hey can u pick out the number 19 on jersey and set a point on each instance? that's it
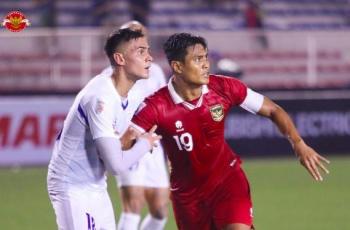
(184, 141)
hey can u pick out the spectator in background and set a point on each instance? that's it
(48, 12)
(254, 20)
(139, 10)
(48, 45)
(227, 67)
(100, 11)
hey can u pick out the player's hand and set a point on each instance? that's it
(311, 160)
(128, 139)
(151, 136)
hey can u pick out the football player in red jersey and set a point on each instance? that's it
(209, 190)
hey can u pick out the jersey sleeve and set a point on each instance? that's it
(100, 117)
(253, 101)
(145, 116)
(235, 90)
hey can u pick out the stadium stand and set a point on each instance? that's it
(305, 55)
(183, 14)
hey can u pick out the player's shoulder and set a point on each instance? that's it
(221, 81)
(97, 81)
(159, 95)
(228, 87)
(93, 91)
(159, 99)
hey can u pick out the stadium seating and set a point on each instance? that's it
(183, 14)
(276, 66)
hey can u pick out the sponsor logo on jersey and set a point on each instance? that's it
(100, 106)
(179, 126)
(233, 163)
(217, 112)
(15, 21)
(114, 126)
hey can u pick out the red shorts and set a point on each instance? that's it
(230, 203)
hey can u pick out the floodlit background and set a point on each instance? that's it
(297, 52)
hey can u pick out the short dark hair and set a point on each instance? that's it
(118, 37)
(175, 47)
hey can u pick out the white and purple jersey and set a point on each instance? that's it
(97, 111)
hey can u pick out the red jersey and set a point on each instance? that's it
(193, 134)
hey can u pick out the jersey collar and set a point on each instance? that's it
(177, 99)
(108, 72)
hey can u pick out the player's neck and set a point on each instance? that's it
(121, 83)
(186, 91)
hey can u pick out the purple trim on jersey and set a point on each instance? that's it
(81, 112)
(124, 106)
(59, 135)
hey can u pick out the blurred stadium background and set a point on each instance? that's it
(295, 51)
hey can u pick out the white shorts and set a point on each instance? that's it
(150, 171)
(79, 209)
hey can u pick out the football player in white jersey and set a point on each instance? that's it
(146, 181)
(89, 145)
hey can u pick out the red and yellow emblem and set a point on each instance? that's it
(217, 112)
(15, 21)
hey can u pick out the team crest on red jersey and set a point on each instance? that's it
(217, 112)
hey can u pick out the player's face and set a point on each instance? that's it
(196, 65)
(137, 58)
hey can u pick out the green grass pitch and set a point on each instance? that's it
(285, 197)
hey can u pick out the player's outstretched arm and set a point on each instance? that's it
(308, 157)
(151, 136)
(129, 137)
(116, 160)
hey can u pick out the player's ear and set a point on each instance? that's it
(177, 66)
(119, 58)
